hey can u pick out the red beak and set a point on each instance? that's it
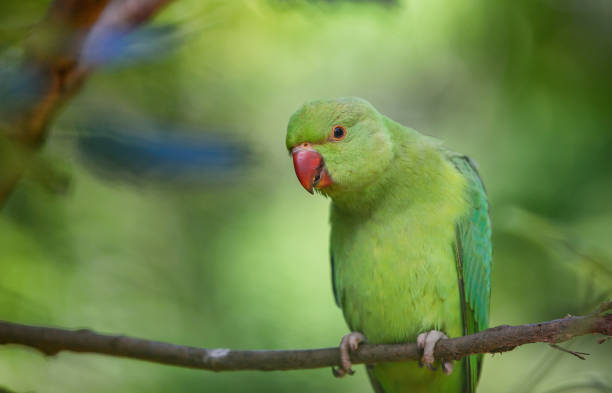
(310, 169)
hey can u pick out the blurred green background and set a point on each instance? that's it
(236, 256)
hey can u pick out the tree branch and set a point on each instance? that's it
(50, 341)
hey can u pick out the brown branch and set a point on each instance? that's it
(499, 339)
(53, 57)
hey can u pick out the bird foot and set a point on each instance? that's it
(348, 344)
(426, 342)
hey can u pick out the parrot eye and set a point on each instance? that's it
(339, 133)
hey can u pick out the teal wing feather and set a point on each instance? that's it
(474, 258)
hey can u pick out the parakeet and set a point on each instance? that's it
(410, 238)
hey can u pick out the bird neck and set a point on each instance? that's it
(412, 174)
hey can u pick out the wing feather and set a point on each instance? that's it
(474, 258)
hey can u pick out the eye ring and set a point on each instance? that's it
(338, 132)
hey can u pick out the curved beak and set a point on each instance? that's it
(310, 168)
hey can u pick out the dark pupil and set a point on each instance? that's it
(338, 132)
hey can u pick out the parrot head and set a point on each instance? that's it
(338, 146)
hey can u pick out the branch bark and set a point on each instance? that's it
(51, 341)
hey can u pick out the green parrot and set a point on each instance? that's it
(410, 238)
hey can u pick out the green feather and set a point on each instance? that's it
(401, 207)
(474, 256)
(475, 236)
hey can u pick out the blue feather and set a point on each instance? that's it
(118, 47)
(163, 152)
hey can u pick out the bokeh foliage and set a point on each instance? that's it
(241, 260)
